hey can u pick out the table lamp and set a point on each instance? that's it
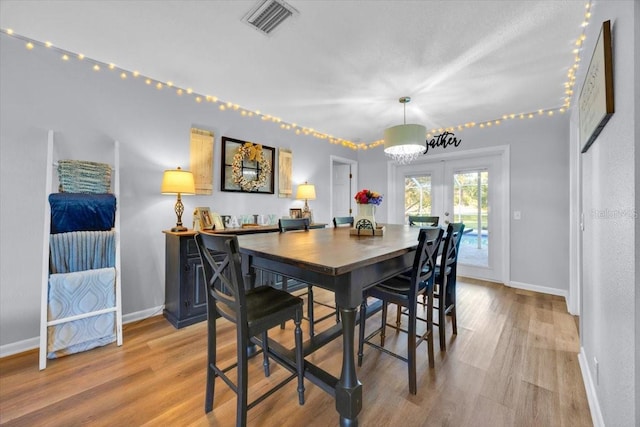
(307, 192)
(178, 181)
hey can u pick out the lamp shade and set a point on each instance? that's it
(178, 181)
(404, 139)
(306, 191)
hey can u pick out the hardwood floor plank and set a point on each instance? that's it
(513, 363)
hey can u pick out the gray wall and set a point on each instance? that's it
(609, 321)
(539, 172)
(88, 110)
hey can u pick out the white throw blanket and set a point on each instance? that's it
(82, 280)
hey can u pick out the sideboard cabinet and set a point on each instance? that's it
(185, 298)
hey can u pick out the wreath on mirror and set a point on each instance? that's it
(250, 152)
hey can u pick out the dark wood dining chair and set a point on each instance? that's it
(444, 290)
(445, 282)
(253, 312)
(302, 224)
(343, 221)
(403, 290)
(423, 221)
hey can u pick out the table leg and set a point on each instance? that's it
(348, 389)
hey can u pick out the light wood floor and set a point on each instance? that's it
(513, 363)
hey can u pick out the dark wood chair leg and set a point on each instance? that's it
(265, 353)
(454, 320)
(299, 358)
(243, 382)
(383, 325)
(310, 310)
(411, 350)
(430, 329)
(398, 315)
(285, 286)
(363, 319)
(211, 361)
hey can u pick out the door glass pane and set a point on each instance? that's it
(470, 206)
(417, 196)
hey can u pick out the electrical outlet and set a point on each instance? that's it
(597, 369)
(517, 215)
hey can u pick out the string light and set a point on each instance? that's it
(301, 130)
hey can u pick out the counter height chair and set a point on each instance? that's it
(302, 224)
(253, 312)
(423, 221)
(445, 283)
(343, 221)
(444, 290)
(403, 290)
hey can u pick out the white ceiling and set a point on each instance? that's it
(338, 66)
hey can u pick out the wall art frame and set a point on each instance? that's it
(596, 103)
(285, 168)
(247, 167)
(201, 159)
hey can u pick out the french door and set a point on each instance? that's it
(468, 190)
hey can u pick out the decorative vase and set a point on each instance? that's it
(366, 212)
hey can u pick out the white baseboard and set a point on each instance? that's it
(589, 385)
(541, 289)
(19, 347)
(143, 314)
(33, 343)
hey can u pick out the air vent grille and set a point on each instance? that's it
(267, 15)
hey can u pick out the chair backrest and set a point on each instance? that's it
(424, 263)
(292, 224)
(221, 263)
(417, 221)
(451, 244)
(458, 228)
(342, 221)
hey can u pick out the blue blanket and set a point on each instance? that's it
(82, 212)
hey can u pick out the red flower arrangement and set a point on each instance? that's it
(365, 197)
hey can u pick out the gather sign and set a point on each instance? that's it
(443, 140)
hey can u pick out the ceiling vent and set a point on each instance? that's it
(267, 15)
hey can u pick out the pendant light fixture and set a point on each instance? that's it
(404, 143)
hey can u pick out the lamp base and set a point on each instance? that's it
(178, 228)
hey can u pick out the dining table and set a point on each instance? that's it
(345, 264)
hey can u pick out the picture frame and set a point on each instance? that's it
(285, 167)
(596, 102)
(202, 219)
(308, 215)
(241, 172)
(295, 213)
(218, 223)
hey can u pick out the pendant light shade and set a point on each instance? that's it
(404, 143)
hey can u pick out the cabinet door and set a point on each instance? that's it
(195, 298)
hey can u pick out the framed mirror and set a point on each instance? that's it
(247, 167)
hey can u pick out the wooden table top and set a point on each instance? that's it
(331, 251)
